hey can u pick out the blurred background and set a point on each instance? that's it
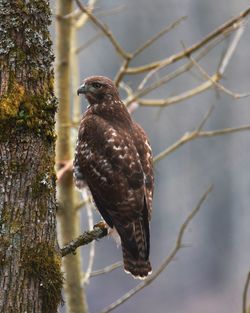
(208, 275)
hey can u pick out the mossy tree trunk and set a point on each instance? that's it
(67, 213)
(30, 276)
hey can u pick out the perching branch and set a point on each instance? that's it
(244, 300)
(166, 262)
(84, 239)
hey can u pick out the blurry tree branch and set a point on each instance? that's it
(198, 133)
(106, 269)
(141, 91)
(89, 210)
(245, 308)
(140, 49)
(84, 239)
(218, 85)
(166, 262)
(88, 43)
(67, 166)
(105, 30)
(225, 28)
(212, 80)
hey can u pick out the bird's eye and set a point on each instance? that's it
(96, 85)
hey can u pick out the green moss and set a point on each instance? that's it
(43, 264)
(9, 104)
(32, 112)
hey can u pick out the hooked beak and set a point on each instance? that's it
(82, 89)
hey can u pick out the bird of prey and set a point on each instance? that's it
(113, 157)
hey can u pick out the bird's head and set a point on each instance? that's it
(98, 89)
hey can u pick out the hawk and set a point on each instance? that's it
(113, 157)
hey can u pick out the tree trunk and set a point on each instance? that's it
(67, 213)
(30, 276)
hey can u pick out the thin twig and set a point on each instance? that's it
(106, 269)
(84, 239)
(134, 105)
(232, 47)
(161, 33)
(229, 26)
(106, 31)
(114, 10)
(88, 42)
(165, 263)
(205, 119)
(234, 95)
(89, 209)
(245, 291)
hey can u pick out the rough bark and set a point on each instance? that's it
(30, 276)
(67, 214)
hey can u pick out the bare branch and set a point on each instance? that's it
(141, 91)
(205, 118)
(245, 291)
(229, 26)
(166, 262)
(149, 42)
(106, 31)
(194, 135)
(212, 80)
(83, 18)
(232, 47)
(114, 10)
(220, 86)
(121, 72)
(183, 96)
(84, 239)
(106, 269)
(164, 31)
(82, 203)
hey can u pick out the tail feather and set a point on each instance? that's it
(137, 268)
(135, 248)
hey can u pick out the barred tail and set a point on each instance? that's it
(135, 248)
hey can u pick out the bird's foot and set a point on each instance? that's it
(101, 225)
